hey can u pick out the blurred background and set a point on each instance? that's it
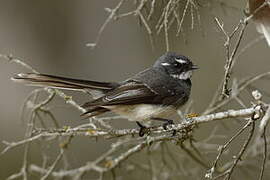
(51, 36)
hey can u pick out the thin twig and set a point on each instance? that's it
(52, 167)
(113, 13)
(193, 156)
(264, 154)
(222, 149)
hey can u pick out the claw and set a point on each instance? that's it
(167, 123)
(143, 129)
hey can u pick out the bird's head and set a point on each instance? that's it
(175, 65)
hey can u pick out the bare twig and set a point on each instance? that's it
(194, 157)
(58, 158)
(264, 153)
(113, 13)
(124, 132)
(222, 148)
(243, 149)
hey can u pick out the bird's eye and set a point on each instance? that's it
(177, 64)
(179, 60)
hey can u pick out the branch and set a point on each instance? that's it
(89, 132)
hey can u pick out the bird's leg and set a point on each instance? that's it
(143, 129)
(166, 121)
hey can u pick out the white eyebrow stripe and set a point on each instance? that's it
(181, 61)
(165, 64)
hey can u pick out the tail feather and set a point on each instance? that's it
(94, 112)
(62, 82)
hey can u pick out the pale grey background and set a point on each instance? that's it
(51, 36)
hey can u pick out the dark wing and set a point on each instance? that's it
(128, 94)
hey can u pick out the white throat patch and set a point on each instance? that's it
(183, 75)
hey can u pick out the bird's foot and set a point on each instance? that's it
(167, 122)
(143, 129)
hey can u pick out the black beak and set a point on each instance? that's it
(194, 67)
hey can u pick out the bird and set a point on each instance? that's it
(260, 11)
(153, 94)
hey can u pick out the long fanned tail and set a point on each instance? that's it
(94, 112)
(44, 80)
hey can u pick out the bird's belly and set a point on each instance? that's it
(142, 112)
